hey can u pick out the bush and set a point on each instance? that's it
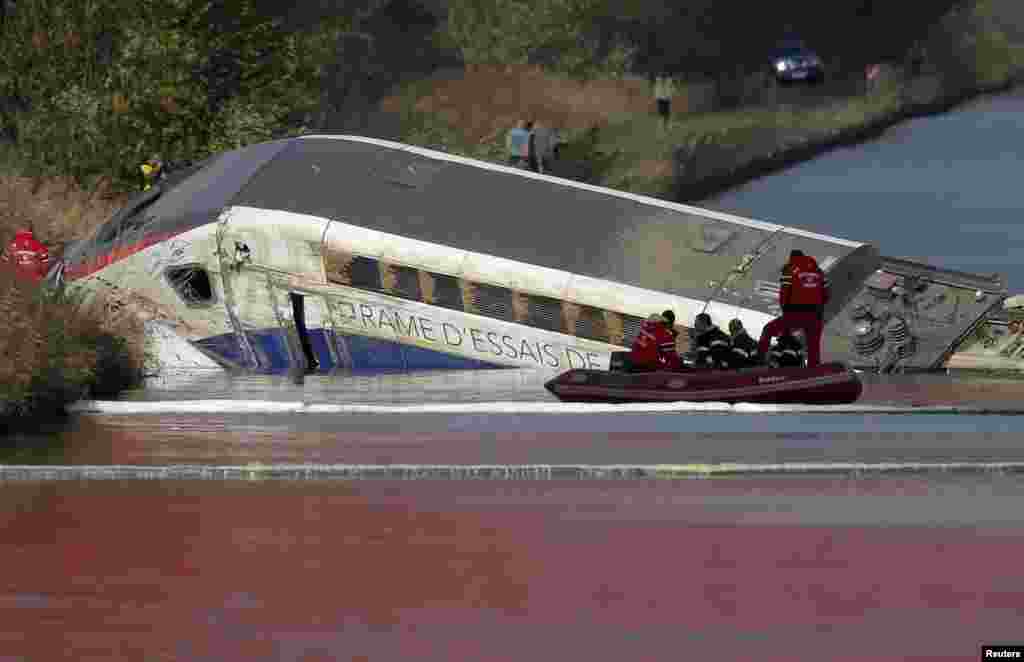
(563, 35)
(105, 83)
(55, 349)
(970, 49)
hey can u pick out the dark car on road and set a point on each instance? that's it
(792, 61)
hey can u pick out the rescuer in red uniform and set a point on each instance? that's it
(28, 256)
(803, 293)
(654, 347)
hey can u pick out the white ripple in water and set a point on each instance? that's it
(117, 407)
(256, 471)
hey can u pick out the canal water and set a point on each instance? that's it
(755, 569)
(228, 524)
(943, 190)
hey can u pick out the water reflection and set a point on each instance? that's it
(448, 571)
(552, 439)
(36, 442)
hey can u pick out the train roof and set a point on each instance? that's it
(487, 208)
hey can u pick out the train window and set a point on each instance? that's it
(402, 282)
(192, 284)
(444, 291)
(364, 273)
(493, 301)
(590, 324)
(545, 313)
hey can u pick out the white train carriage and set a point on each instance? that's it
(342, 252)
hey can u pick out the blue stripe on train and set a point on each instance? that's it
(362, 353)
(271, 346)
(319, 339)
(224, 347)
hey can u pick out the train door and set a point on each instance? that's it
(266, 255)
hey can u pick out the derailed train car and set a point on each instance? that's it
(343, 252)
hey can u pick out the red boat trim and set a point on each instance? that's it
(682, 394)
(118, 253)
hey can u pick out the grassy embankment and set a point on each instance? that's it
(54, 350)
(614, 138)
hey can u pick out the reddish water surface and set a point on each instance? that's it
(435, 570)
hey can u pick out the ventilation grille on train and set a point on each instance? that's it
(630, 328)
(493, 301)
(545, 313)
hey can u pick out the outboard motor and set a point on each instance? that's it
(619, 362)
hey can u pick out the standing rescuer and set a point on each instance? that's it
(803, 293)
(29, 257)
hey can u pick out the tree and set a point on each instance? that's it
(108, 82)
(563, 34)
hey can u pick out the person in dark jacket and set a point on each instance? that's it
(788, 352)
(670, 322)
(744, 348)
(532, 158)
(713, 347)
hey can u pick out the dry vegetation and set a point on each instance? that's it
(56, 209)
(54, 350)
(609, 123)
(485, 101)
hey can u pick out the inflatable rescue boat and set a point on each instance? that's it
(827, 384)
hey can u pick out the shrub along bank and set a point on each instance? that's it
(53, 349)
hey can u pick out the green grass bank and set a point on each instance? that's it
(723, 132)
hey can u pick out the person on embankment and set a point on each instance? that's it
(27, 255)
